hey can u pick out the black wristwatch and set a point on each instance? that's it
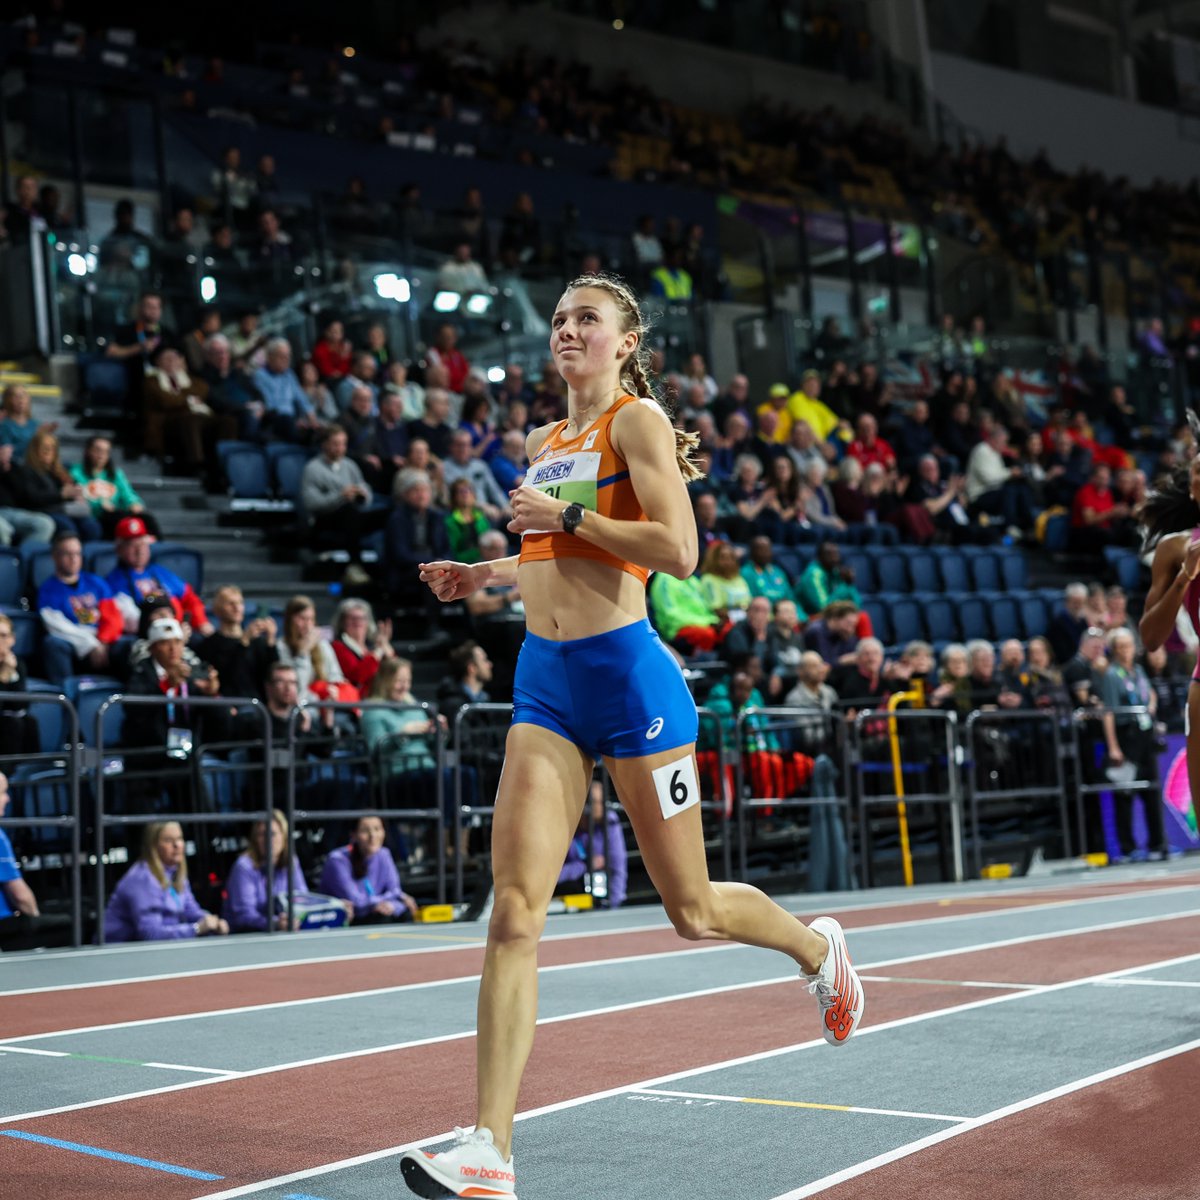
(572, 515)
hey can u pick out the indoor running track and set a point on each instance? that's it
(1027, 1038)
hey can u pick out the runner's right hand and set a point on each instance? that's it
(449, 580)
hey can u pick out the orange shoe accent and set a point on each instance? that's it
(478, 1191)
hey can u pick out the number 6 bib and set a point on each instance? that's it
(676, 785)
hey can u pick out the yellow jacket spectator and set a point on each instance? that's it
(807, 405)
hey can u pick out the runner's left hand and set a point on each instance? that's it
(534, 510)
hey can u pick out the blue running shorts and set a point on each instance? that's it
(619, 694)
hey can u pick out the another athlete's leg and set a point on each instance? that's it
(539, 800)
(1193, 743)
(673, 852)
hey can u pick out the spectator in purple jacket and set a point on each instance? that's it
(603, 852)
(154, 901)
(246, 887)
(364, 873)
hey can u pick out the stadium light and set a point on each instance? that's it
(77, 264)
(495, 374)
(390, 286)
(208, 289)
(478, 304)
(446, 302)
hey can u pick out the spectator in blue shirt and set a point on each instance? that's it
(22, 924)
(289, 413)
(510, 465)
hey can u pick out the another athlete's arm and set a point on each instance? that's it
(1176, 564)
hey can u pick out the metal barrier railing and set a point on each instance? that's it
(1087, 784)
(1016, 782)
(67, 758)
(378, 760)
(869, 756)
(479, 751)
(722, 802)
(768, 743)
(93, 762)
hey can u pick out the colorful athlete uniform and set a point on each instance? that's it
(1191, 604)
(619, 693)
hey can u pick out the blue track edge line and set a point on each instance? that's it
(96, 1152)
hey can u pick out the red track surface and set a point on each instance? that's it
(250, 1129)
(1125, 1137)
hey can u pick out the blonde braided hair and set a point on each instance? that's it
(635, 372)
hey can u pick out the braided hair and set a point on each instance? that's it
(635, 371)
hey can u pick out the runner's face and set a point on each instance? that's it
(586, 339)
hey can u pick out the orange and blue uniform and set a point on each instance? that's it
(619, 693)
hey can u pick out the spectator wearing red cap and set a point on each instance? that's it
(81, 618)
(135, 577)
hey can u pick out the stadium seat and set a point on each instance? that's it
(246, 471)
(1005, 616)
(185, 562)
(985, 572)
(101, 561)
(89, 694)
(227, 446)
(891, 570)
(788, 561)
(42, 790)
(953, 568)
(907, 622)
(27, 628)
(1126, 566)
(1014, 570)
(1034, 616)
(51, 718)
(923, 573)
(863, 567)
(940, 615)
(12, 576)
(1057, 532)
(39, 566)
(286, 470)
(972, 617)
(106, 389)
(881, 621)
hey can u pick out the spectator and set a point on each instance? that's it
(1082, 673)
(1129, 738)
(232, 189)
(135, 578)
(21, 213)
(727, 593)
(364, 873)
(988, 690)
(762, 575)
(231, 393)
(125, 246)
(710, 527)
(15, 521)
(23, 926)
(273, 248)
(362, 375)
(735, 398)
(18, 427)
(1044, 682)
(1012, 673)
(496, 600)
(466, 522)
(647, 249)
(670, 280)
(159, 608)
(288, 412)
(360, 644)
(239, 653)
(786, 499)
(334, 497)
(18, 728)
(412, 395)
(834, 635)
(868, 447)
(862, 683)
(333, 354)
(415, 534)
(246, 887)
(825, 580)
(249, 343)
(1069, 623)
(811, 690)
(461, 464)
(806, 405)
(388, 445)
(599, 847)
(995, 488)
(398, 735)
(461, 273)
(80, 616)
(208, 325)
(445, 353)
(510, 464)
(43, 484)
(850, 498)
(470, 673)
(943, 503)
(153, 901)
(683, 615)
(820, 506)
(107, 489)
(378, 348)
(954, 682)
(318, 673)
(476, 414)
(914, 437)
(1098, 519)
(1166, 688)
(137, 342)
(434, 427)
(803, 448)
(358, 420)
(750, 636)
(179, 419)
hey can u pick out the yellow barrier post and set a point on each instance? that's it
(916, 696)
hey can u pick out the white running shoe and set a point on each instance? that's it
(836, 985)
(471, 1167)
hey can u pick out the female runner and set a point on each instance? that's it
(1171, 517)
(604, 503)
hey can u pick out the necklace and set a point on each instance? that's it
(584, 418)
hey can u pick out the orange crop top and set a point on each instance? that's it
(583, 470)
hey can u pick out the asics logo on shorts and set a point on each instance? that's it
(655, 729)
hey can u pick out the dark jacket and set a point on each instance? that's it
(401, 550)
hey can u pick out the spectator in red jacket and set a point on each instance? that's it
(332, 354)
(135, 577)
(1098, 518)
(359, 643)
(445, 353)
(868, 447)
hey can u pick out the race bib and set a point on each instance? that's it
(571, 478)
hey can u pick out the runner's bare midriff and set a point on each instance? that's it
(568, 598)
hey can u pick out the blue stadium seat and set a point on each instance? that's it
(1126, 566)
(941, 616)
(1057, 532)
(864, 571)
(881, 622)
(1005, 616)
(286, 470)
(41, 790)
(907, 622)
(892, 572)
(278, 450)
(227, 446)
(106, 387)
(101, 561)
(27, 628)
(1014, 569)
(985, 572)
(51, 718)
(1035, 618)
(953, 568)
(12, 576)
(246, 471)
(972, 616)
(923, 573)
(789, 561)
(185, 562)
(89, 694)
(39, 566)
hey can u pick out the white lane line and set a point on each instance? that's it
(849, 1108)
(1178, 983)
(655, 927)
(972, 983)
(609, 1093)
(710, 948)
(119, 1061)
(40, 1053)
(943, 1135)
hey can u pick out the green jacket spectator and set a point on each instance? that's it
(826, 580)
(679, 604)
(727, 700)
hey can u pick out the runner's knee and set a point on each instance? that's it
(696, 920)
(515, 919)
